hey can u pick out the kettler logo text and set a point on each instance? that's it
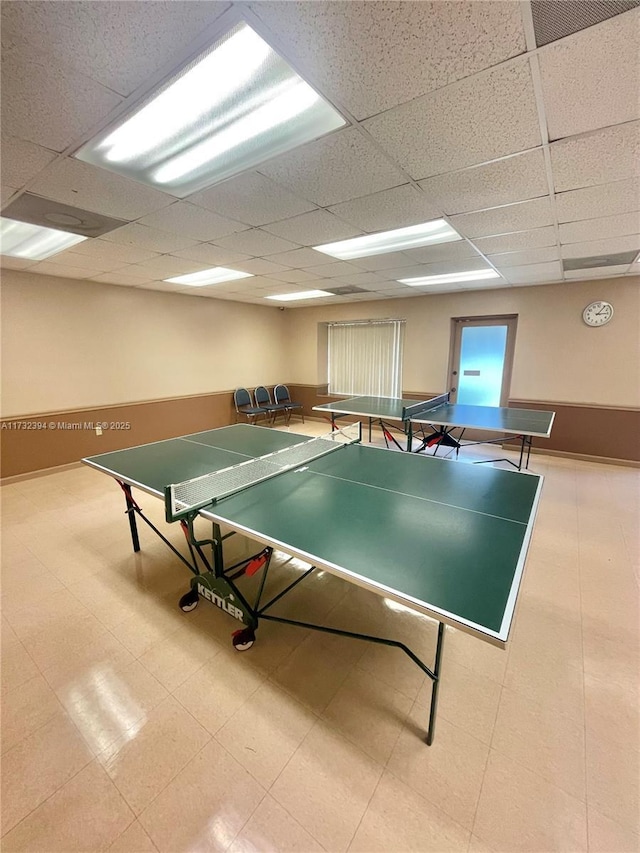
(222, 603)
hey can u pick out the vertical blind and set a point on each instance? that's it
(365, 358)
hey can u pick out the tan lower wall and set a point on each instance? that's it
(41, 441)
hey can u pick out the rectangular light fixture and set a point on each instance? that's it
(303, 294)
(22, 240)
(425, 234)
(215, 275)
(233, 107)
(450, 278)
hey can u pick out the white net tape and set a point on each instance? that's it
(197, 493)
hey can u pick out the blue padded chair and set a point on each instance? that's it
(244, 406)
(263, 399)
(282, 397)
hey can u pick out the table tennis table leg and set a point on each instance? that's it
(131, 512)
(436, 684)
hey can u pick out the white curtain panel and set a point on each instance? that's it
(365, 358)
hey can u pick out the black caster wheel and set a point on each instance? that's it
(243, 639)
(189, 601)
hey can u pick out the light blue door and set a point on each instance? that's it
(481, 365)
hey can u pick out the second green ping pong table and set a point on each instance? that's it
(447, 423)
(448, 541)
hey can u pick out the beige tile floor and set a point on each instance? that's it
(128, 725)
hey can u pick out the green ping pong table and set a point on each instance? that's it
(448, 423)
(446, 540)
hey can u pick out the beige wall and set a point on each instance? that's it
(75, 344)
(557, 356)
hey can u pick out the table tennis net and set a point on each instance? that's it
(424, 406)
(184, 498)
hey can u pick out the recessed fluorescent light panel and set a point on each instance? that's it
(304, 294)
(412, 237)
(450, 278)
(235, 106)
(22, 240)
(215, 275)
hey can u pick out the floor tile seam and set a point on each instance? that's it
(390, 686)
(547, 779)
(60, 710)
(92, 760)
(634, 830)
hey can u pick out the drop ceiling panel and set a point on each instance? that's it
(192, 221)
(21, 160)
(594, 202)
(207, 253)
(342, 166)
(367, 280)
(389, 209)
(295, 276)
(610, 246)
(506, 181)
(136, 38)
(503, 220)
(313, 228)
(253, 199)
(121, 278)
(6, 192)
(538, 238)
(48, 103)
(335, 270)
(385, 262)
(101, 250)
(595, 229)
(82, 185)
(256, 242)
(299, 258)
(592, 78)
(93, 265)
(534, 272)
(60, 270)
(9, 263)
(135, 234)
(597, 158)
(260, 266)
(165, 266)
(472, 121)
(438, 268)
(527, 256)
(372, 56)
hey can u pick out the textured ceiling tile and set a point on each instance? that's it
(256, 242)
(21, 160)
(600, 229)
(299, 258)
(592, 78)
(207, 253)
(166, 266)
(385, 262)
(69, 258)
(315, 227)
(594, 202)
(119, 277)
(335, 270)
(506, 181)
(253, 199)
(148, 238)
(439, 268)
(610, 246)
(9, 263)
(534, 272)
(192, 221)
(101, 250)
(82, 185)
(363, 279)
(6, 192)
(527, 256)
(372, 56)
(294, 276)
(260, 266)
(383, 211)
(597, 158)
(536, 239)
(443, 252)
(49, 104)
(472, 121)
(503, 220)
(118, 43)
(342, 166)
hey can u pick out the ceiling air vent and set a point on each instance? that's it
(53, 214)
(347, 290)
(599, 261)
(555, 19)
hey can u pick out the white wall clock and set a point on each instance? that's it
(598, 313)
